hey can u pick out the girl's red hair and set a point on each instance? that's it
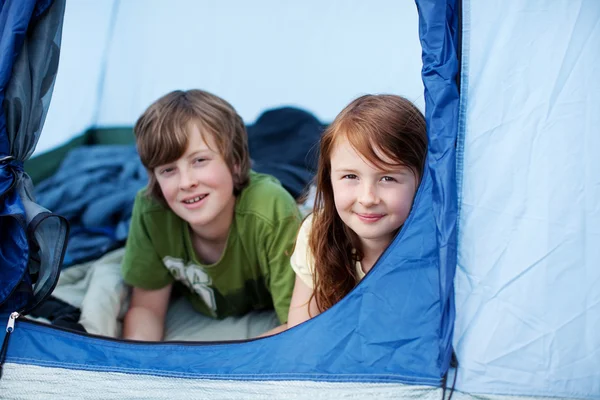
(386, 124)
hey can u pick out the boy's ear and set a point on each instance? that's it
(236, 170)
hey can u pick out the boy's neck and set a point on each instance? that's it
(209, 241)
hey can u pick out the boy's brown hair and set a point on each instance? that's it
(161, 134)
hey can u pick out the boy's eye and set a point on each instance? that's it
(388, 179)
(349, 176)
(166, 171)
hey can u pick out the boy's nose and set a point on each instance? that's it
(187, 181)
(368, 196)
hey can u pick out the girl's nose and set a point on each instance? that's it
(368, 196)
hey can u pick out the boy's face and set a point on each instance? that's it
(198, 187)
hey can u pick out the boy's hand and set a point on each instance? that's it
(145, 319)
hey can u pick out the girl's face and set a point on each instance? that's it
(373, 203)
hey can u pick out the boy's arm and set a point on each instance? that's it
(143, 269)
(145, 319)
(280, 245)
(274, 331)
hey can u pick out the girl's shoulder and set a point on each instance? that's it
(306, 227)
(302, 261)
(302, 249)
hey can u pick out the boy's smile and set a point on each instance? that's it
(198, 187)
(193, 202)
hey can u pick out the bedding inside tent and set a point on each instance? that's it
(504, 222)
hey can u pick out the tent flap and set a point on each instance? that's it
(438, 29)
(528, 273)
(30, 248)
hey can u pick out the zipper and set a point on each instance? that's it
(10, 327)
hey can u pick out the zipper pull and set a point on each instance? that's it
(10, 327)
(11, 322)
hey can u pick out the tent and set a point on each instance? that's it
(496, 263)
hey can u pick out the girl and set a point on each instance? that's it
(371, 161)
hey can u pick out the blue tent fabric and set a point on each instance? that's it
(395, 326)
(528, 265)
(14, 20)
(33, 238)
(438, 29)
(13, 246)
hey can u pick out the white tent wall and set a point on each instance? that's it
(528, 276)
(118, 56)
(73, 108)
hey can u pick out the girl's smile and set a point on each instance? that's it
(369, 218)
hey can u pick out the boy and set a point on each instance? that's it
(206, 222)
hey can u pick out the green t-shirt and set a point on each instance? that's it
(254, 271)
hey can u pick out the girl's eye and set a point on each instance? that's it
(199, 160)
(388, 179)
(349, 176)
